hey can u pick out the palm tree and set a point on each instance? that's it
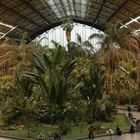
(114, 48)
(68, 26)
(81, 48)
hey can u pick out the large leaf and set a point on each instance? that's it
(80, 84)
(39, 63)
(79, 39)
(43, 85)
(47, 61)
(58, 56)
(69, 66)
(96, 35)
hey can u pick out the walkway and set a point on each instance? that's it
(135, 114)
(127, 136)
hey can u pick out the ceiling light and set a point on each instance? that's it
(6, 25)
(131, 21)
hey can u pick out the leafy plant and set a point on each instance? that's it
(93, 89)
(52, 76)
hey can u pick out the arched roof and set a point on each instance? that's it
(38, 16)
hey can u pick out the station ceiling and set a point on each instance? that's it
(38, 16)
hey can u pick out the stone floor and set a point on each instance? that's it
(135, 136)
(127, 136)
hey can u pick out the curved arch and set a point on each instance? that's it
(59, 23)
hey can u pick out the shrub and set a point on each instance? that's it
(65, 127)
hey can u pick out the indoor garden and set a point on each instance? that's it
(65, 80)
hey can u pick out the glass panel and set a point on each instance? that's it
(83, 14)
(84, 2)
(54, 7)
(77, 1)
(68, 13)
(58, 34)
(51, 2)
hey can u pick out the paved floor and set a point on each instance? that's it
(135, 136)
(135, 114)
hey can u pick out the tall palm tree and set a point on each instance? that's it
(114, 48)
(68, 26)
(81, 48)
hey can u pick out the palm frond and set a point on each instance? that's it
(79, 39)
(96, 35)
(58, 56)
(39, 63)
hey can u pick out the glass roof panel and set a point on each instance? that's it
(54, 8)
(84, 2)
(51, 2)
(55, 11)
(77, 1)
(65, 3)
(58, 34)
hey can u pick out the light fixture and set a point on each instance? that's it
(6, 25)
(136, 31)
(131, 21)
(4, 34)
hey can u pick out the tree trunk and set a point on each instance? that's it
(109, 82)
(68, 35)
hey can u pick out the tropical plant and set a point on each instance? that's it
(105, 109)
(18, 102)
(81, 48)
(19, 56)
(52, 76)
(115, 49)
(93, 89)
(68, 26)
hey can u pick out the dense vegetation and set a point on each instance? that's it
(66, 88)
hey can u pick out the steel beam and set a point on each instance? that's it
(18, 14)
(28, 4)
(98, 14)
(118, 9)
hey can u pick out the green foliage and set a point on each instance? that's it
(93, 86)
(105, 109)
(93, 89)
(81, 48)
(52, 77)
(65, 127)
(48, 88)
(10, 112)
(68, 24)
(19, 105)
